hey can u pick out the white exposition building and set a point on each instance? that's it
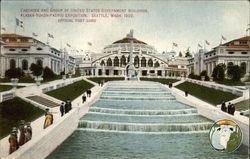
(21, 51)
(235, 52)
(115, 58)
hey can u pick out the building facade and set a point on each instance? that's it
(235, 52)
(114, 61)
(21, 51)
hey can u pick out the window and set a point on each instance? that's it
(12, 49)
(12, 64)
(230, 64)
(25, 65)
(157, 64)
(150, 63)
(143, 62)
(214, 53)
(116, 62)
(123, 60)
(243, 53)
(39, 48)
(109, 62)
(136, 61)
(243, 42)
(102, 63)
(230, 52)
(243, 66)
(39, 62)
(24, 40)
(24, 50)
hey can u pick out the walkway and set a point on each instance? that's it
(37, 125)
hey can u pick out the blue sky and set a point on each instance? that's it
(186, 23)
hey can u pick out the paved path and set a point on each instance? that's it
(37, 125)
(208, 106)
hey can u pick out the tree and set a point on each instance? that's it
(78, 72)
(188, 54)
(36, 69)
(180, 54)
(219, 72)
(204, 73)
(14, 73)
(234, 72)
(48, 74)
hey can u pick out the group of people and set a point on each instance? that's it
(101, 83)
(65, 107)
(48, 119)
(24, 132)
(230, 109)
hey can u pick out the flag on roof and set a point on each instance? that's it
(174, 44)
(19, 23)
(34, 34)
(50, 35)
(199, 45)
(223, 38)
(89, 43)
(207, 42)
(4, 29)
(68, 45)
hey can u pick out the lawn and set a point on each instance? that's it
(209, 95)
(161, 80)
(71, 91)
(7, 87)
(243, 105)
(231, 83)
(21, 80)
(97, 79)
(14, 110)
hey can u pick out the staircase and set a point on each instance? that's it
(43, 101)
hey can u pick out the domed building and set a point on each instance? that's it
(115, 60)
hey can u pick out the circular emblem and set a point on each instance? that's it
(225, 136)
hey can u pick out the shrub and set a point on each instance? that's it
(204, 73)
(36, 69)
(48, 74)
(219, 72)
(14, 73)
(234, 72)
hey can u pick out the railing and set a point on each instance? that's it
(220, 87)
(6, 95)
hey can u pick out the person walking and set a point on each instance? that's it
(48, 120)
(69, 105)
(186, 93)
(27, 132)
(84, 98)
(89, 93)
(13, 141)
(223, 107)
(229, 108)
(62, 109)
(22, 135)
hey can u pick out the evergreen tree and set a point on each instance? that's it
(219, 72)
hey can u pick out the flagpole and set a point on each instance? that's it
(221, 40)
(15, 24)
(47, 39)
(204, 46)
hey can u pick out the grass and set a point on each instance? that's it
(231, 83)
(14, 110)
(71, 91)
(209, 95)
(97, 79)
(161, 80)
(243, 105)
(7, 87)
(21, 80)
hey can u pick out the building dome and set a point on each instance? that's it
(127, 40)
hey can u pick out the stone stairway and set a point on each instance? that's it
(43, 101)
